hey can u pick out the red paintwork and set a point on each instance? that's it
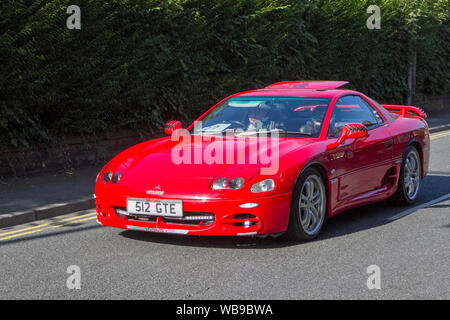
(405, 110)
(171, 126)
(310, 84)
(353, 172)
(311, 108)
(351, 130)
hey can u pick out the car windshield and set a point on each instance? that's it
(300, 116)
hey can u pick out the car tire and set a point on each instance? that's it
(308, 207)
(410, 177)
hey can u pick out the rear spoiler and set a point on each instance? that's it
(405, 110)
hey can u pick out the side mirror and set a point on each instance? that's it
(171, 126)
(349, 131)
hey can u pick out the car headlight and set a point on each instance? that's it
(223, 183)
(236, 183)
(107, 176)
(116, 177)
(219, 184)
(263, 186)
(112, 172)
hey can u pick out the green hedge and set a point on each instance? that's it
(137, 64)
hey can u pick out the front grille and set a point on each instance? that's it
(192, 218)
(189, 218)
(248, 220)
(142, 218)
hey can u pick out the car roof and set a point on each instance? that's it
(308, 84)
(301, 88)
(319, 93)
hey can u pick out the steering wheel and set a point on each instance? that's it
(238, 123)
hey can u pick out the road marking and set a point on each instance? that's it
(47, 224)
(420, 206)
(439, 135)
(46, 227)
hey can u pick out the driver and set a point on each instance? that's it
(257, 118)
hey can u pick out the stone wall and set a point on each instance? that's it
(69, 153)
(433, 104)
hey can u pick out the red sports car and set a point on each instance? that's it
(265, 162)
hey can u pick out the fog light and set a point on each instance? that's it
(199, 218)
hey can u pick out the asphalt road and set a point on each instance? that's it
(412, 252)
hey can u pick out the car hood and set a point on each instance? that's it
(166, 167)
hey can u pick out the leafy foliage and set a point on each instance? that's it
(139, 63)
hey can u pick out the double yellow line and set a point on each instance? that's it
(45, 226)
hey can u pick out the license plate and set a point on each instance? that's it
(165, 208)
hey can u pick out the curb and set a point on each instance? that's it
(45, 212)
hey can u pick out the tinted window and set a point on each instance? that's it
(382, 110)
(352, 109)
(249, 114)
(374, 111)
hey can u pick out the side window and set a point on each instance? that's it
(374, 111)
(352, 109)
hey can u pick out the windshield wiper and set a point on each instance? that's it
(306, 134)
(280, 131)
(255, 132)
(209, 133)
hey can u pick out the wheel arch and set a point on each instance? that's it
(323, 173)
(316, 165)
(416, 144)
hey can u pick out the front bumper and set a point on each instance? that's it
(270, 216)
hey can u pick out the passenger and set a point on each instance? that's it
(314, 125)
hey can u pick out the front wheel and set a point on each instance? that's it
(308, 207)
(410, 176)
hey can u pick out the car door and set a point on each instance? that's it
(361, 164)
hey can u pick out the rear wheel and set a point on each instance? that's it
(308, 207)
(410, 176)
